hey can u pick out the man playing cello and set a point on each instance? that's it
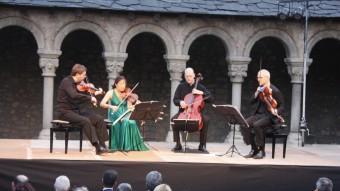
(184, 88)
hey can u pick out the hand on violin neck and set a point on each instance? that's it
(197, 92)
(260, 88)
(99, 92)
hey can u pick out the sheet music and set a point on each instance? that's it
(235, 109)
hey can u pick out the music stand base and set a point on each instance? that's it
(233, 149)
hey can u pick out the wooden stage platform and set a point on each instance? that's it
(182, 171)
(310, 155)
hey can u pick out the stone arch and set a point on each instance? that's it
(29, 25)
(288, 43)
(82, 25)
(317, 37)
(217, 32)
(150, 28)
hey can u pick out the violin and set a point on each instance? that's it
(127, 94)
(266, 97)
(195, 105)
(87, 87)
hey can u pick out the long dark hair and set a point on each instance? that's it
(117, 80)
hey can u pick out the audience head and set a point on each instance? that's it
(124, 187)
(21, 183)
(153, 179)
(62, 183)
(162, 187)
(110, 178)
(324, 184)
(81, 188)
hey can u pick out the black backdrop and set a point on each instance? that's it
(180, 176)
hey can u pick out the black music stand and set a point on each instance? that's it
(233, 117)
(148, 110)
(186, 125)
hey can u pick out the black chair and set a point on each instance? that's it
(277, 132)
(66, 127)
(108, 127)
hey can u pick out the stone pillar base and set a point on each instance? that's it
(45, 134)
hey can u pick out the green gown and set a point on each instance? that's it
(125, 134)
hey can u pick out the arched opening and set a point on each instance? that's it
(21, 87)
(267, 53)
(145, 64)
(83, 47)
(322, 101)
(208, 57)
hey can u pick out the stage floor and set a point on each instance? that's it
(310, 155)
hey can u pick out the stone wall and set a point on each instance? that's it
(110, 34)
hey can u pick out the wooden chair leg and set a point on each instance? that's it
(110, 134)
(273, 146)
(66, 140)
(81, 139)
(284, 146)
(51, 140)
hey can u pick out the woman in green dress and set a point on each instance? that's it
(125, 133)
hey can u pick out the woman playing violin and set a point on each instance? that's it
(270, 106)
(125, 133)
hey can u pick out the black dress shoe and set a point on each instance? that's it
(251, 154)
(100, 149)
(260, 155)
(202, 148)
(104, 147)
(177, 148)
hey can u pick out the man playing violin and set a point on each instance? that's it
(72, 106)
(182, 90)
(270, 106)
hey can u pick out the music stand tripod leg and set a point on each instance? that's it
(232, 149)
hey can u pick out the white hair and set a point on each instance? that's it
(265, 73)
(153, 179)
(162, 187)
(62, 183)
(21, 178)
(189, 70)
(324, 184)
(124, 187)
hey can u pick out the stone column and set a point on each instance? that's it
(176, 64)
(237, 71)
(48, 62)
(295, 70)
(114, 65)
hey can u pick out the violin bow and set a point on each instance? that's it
(134, 87)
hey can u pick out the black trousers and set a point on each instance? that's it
(203, 131)
(254, 134)
(92, 124)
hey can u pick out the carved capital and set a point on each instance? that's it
(176, 64)
(237, 68)
(114, 63)
(49, 61)
(295, 69)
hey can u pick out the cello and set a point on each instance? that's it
(195, 104)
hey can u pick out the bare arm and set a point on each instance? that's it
(106, 99)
